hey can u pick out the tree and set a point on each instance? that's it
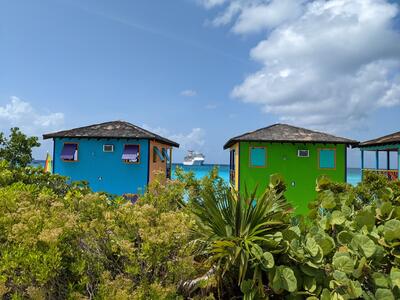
(17, 148)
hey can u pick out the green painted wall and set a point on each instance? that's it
(300, 173)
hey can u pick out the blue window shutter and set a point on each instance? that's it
(327, 159)
(257, 157)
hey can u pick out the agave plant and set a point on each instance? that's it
(239, 234)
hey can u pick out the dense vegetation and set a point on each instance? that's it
(196, 239)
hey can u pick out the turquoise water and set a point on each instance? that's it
(353, 175)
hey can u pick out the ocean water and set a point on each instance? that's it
(353, 174)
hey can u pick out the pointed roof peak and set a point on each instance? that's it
(111, 129)
(281, 132)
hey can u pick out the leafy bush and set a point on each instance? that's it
(62, 241)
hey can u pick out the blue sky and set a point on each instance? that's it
(199, 71)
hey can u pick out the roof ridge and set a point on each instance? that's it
(118, 129)
(281, 132)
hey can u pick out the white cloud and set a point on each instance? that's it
(255, 15)
(211, 3)
(324, 63)
(189, 93)
(193, 140)
(19, 113)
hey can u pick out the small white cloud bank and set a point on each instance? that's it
(19, 113)
(188, 93)
(324, 64)
(31, 121)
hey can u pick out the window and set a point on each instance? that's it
(157, 153)
(108, 148)
(258, 157)
(327, 158)
(303, 153)
(69, 152)
(131, 154)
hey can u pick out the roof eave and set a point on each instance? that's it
(233, 141)
(52, 136)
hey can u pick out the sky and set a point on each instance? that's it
(201, 71)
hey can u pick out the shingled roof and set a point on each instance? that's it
(114, 129)
(389, 139)
(287, 133)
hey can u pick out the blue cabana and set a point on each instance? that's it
(387, 144)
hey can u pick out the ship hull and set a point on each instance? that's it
(193, 163)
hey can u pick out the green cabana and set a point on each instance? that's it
(388, 144)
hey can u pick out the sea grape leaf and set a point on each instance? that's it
(268, 261)
(343, 263)
(344, 237)
(363, 243)
(395, 277)
(392, 230)
(359, 270)
(328, 200)
(340, 276)
(337, 218)
(384, 294)
(326, 243)
(380, 280)
(325, 295)
(284, 278)
(312, 247)
(365, 218)
(386, 208)
(354, 289)
(310, 284)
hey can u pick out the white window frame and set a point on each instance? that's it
(108, 145)
(302, 156)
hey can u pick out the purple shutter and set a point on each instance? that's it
(131, 153)
(68, 151)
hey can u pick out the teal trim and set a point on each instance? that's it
(257, 157)
(327, 159)
(158, 153)
(383, 147)
(377, 159)
(165, 154)
(398, 163)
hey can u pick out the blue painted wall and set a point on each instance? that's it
(104, 171)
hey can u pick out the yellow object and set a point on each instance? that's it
(48, 166)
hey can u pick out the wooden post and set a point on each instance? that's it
(377, 159)
(388, 159)
(170, 161)
(398, 162)
(362, 164)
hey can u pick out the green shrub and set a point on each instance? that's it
(61, 241)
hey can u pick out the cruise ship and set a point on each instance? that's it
(193, 159)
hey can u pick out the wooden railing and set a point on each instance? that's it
(390, 174)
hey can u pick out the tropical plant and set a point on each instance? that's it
(17, 148)
(238, 235)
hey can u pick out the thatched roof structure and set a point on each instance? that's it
(284, 133)
(389, 139)
(114, 129)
